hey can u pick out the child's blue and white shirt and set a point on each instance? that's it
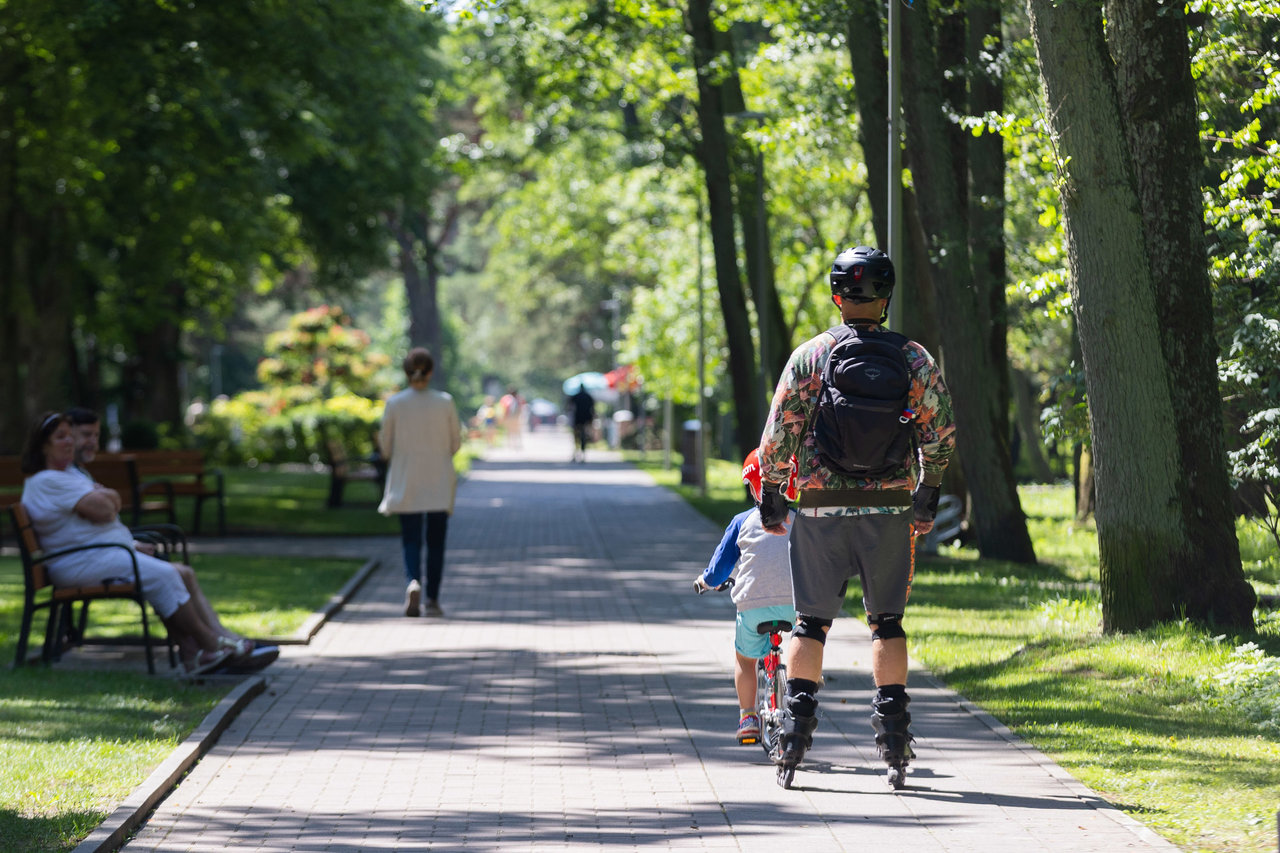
(761, 559)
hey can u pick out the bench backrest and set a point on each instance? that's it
(116, 471)
(169, 463)
(11, 476)
(37, 574)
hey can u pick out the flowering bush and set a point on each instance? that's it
(1251, 682)
(319, 386)
(321, 350)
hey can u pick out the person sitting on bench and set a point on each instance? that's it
(67, 509)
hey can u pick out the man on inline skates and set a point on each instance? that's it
(868, 418)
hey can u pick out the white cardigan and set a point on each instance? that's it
(420, 433)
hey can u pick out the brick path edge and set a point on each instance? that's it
(115, 830)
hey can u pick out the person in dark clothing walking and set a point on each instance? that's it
(584, 414)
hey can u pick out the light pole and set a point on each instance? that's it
(702, 362)
(895, 156)
(613, 305)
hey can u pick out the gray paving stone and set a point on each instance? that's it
(578, 695)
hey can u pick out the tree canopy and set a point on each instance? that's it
(540, 187)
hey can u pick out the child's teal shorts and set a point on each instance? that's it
(754, 645)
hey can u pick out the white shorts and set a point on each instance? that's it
(161, 584)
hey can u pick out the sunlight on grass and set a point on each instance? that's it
(1140, 718)
(73, 744)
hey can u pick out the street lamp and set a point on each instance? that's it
(613, 305)
(702, 362)
(895, 157)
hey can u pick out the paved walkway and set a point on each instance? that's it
(542, 712)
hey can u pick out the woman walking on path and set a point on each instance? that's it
(420, 433)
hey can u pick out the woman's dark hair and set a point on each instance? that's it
(33, 460)
(418, 364)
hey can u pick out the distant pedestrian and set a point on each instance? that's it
(419, 436)
(584, 415)
(511, 407)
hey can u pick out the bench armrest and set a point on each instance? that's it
(163, 486)
(44, 556)
(167, 537)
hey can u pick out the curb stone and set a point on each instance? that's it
(1087, 795)
(113, 832)
(315, 621)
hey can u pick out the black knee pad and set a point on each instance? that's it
(888, 627)
(812, 628)
(802, 699)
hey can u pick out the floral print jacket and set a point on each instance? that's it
(786, 432)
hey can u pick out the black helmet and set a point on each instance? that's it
(862, 273)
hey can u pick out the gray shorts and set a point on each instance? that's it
(827, 551)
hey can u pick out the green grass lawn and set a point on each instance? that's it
(1172, 725)
(73, 745)
(293, 501)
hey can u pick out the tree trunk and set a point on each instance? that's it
(753, 213)
(152, 384)
(1153, 57)
(983, 47)
(998, 519)
(35, 321)
(864, 37)
(751, 185)
(1028, 412)
(421, 291)
(1154, 567)
(432, 330)
(713, 153)
(1086, 491)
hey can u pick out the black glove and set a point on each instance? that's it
(924, 502)
(774, 509)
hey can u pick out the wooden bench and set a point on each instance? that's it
(39, 593)
(119, 471)
(11, 480)
(188, 476)
(343, 470)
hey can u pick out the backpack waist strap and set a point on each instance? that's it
(855, 497)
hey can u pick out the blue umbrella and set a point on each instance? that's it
(592, 381)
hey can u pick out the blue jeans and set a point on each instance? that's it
(415, 527)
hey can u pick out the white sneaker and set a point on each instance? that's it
(412, 598)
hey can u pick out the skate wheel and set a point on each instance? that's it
(897, 778)
(785, 776)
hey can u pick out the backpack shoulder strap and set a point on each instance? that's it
(841, 332)
(896, 337)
